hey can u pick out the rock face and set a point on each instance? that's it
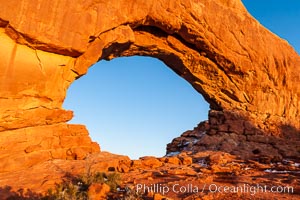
(229, 133)
(241, 69)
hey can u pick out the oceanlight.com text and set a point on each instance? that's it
(252, 189)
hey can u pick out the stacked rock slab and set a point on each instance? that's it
(230, 133)
(238, 66)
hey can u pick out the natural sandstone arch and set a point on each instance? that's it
(241, 69)
(131, 103)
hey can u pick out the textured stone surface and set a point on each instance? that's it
(229, 133)
(98, 191)
(43, 175)
(242, 70)
(217, 46)
(205, 169)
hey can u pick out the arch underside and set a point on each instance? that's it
(232, 126)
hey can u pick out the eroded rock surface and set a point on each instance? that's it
(229, 133)
(187, 176)
(241, 69)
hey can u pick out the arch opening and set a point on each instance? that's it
(134, 105)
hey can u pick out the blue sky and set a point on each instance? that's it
(282, 17)
(135, 106)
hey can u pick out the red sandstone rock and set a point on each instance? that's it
(172, 160)
(185, 159)
(98, 191)
(239, 138)
(248, 75)
(150, 161)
